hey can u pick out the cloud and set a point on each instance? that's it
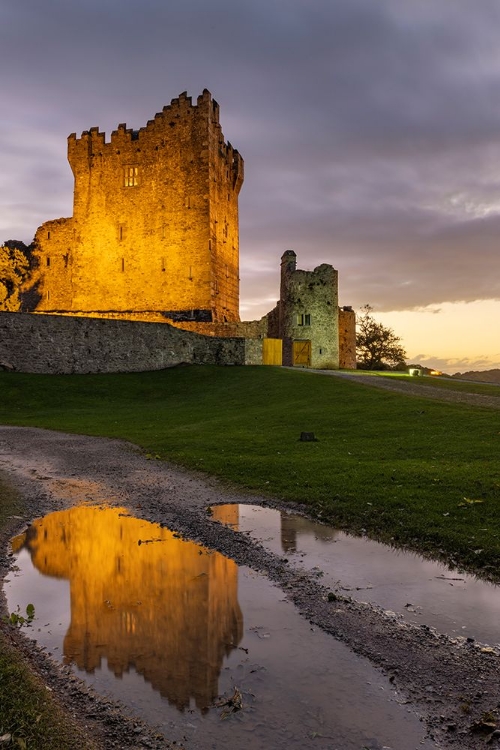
(370, 130)
(456, 364)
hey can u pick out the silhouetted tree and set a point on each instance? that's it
(377, 347)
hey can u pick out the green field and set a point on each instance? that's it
(408, 470)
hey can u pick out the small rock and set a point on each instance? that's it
(308, 437)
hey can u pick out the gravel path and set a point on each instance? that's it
(427, 391)
(450, 683)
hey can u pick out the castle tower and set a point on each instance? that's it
(309, 314)
(287, 269)
(154, 232)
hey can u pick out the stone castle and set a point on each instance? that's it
(154, 239)
(154, 231)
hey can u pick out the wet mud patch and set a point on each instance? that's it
(210, 652)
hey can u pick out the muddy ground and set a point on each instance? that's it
(452, 684)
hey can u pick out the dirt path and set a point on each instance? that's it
(451, 683)
(427, 391)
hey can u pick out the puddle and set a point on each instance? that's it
(422, 591)
(168, 627)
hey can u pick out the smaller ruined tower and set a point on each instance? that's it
(309, 314)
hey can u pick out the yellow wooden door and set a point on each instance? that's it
(301, 353)
(272, 352)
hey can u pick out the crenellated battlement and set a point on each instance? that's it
(179, 123)
(180, 107)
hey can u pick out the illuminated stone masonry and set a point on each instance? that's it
(154, 229)
(154, 239)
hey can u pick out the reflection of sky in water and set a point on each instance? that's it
(167, 625)
(52, 608)
(388, 577)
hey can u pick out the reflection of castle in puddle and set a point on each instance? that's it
(142, 598)
(291, 526)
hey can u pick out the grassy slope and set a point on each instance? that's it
(485, 389)
(415, 471)
(28, 711)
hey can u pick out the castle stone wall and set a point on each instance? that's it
(65, 344)
(347, 339)
(155, 221)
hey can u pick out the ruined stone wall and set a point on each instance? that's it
(54, 276)
(250, 329)
(309, 311)
(67, 344)
(155, 221)
(273, 322)
(347, 338)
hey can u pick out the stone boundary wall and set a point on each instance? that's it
(61, 344)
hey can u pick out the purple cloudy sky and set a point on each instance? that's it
(370, 129)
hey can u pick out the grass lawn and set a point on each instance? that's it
(28, 712)
(408, 470)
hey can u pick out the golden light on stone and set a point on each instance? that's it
(141, 598)
(154, 238)
(168, 190)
